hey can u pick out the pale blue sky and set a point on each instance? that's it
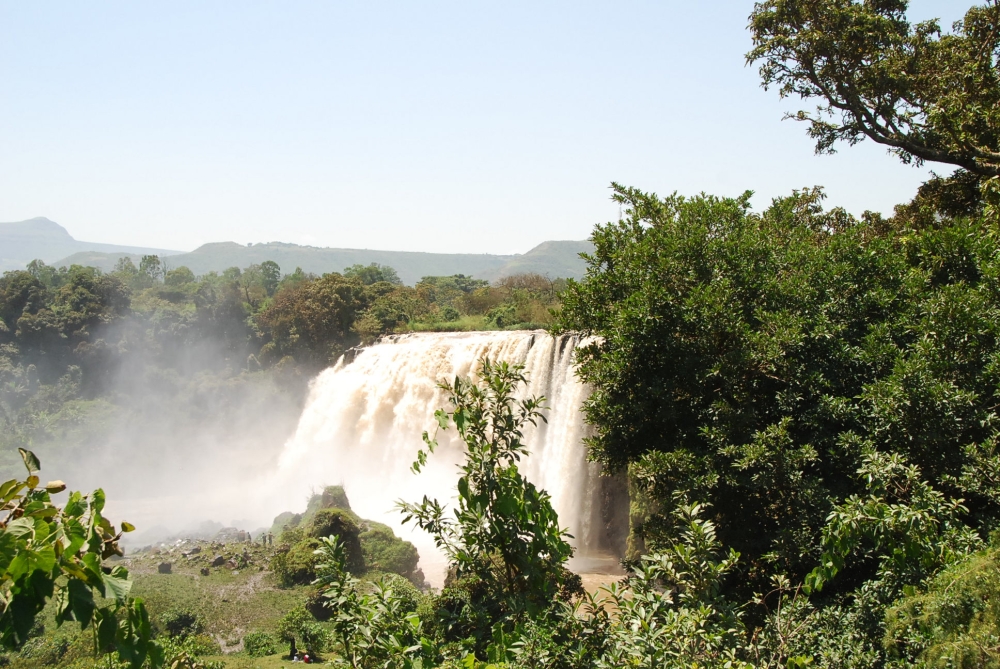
(428, 126)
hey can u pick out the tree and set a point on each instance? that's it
(152, 268)
(505, 532)
(373, 273)
(270, 276)
(313, 320)
(928, 96)
(179, 276)
(20, 292)
(751, 361)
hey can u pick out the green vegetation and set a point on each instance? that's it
(368, 546)
(52, 556)
(159, 354)
(804, 402)
(925, 95)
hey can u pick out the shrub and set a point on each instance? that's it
(316, 606)
(956, 622)
(297, 625)
(502, 316)
(403, 592)
(327, 522)
(384, 551)
(45, 650)
(296, 566)
(180, 623)
(334, 497)
(259, 644)
(339, 523)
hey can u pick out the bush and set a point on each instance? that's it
(334, 497)
(180, 623)
(956, 622)
(384, 551)
(316, 606)
(297, 565)
(502, 316)
(45, 650)
(259, 644)
(327, 522)
(339, 523)
(450, 314)
(179, 652)
(299, 626)
(403, 592)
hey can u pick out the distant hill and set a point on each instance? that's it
(555, 259)
(22, 242)
(42, 239)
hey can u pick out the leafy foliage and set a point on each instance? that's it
(54, 555)
(375, 629)
(955, 622)
(505, 533)
(924, 94)
(180, 623)
(753, 361)
(385, 552)
(259, 644)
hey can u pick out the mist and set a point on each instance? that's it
(180, 436)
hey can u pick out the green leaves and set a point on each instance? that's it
(48, 553)
(752, 361)
(31, 462)
(377, 628)
(927, 96)
(913, 528)
(504, 533)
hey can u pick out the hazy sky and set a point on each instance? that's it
(428, 126)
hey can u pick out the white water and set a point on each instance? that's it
(363, 421)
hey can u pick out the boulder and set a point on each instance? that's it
(164, 568)
(218, 561)
(205, 571)
(193, 551)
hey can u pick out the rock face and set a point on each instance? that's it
(218, 561)
(164, 568)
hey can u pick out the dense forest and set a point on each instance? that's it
(804, 401)
(83, 352)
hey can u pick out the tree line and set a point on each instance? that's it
(805, 402)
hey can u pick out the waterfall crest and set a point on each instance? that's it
(362, 425)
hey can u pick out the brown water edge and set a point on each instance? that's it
(597, 569)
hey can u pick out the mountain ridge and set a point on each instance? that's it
(41, 238)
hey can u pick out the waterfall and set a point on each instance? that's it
(363, 420)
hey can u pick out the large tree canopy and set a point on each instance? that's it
(927, 95)
(754, 361)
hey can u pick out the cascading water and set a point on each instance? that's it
(362, 423)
